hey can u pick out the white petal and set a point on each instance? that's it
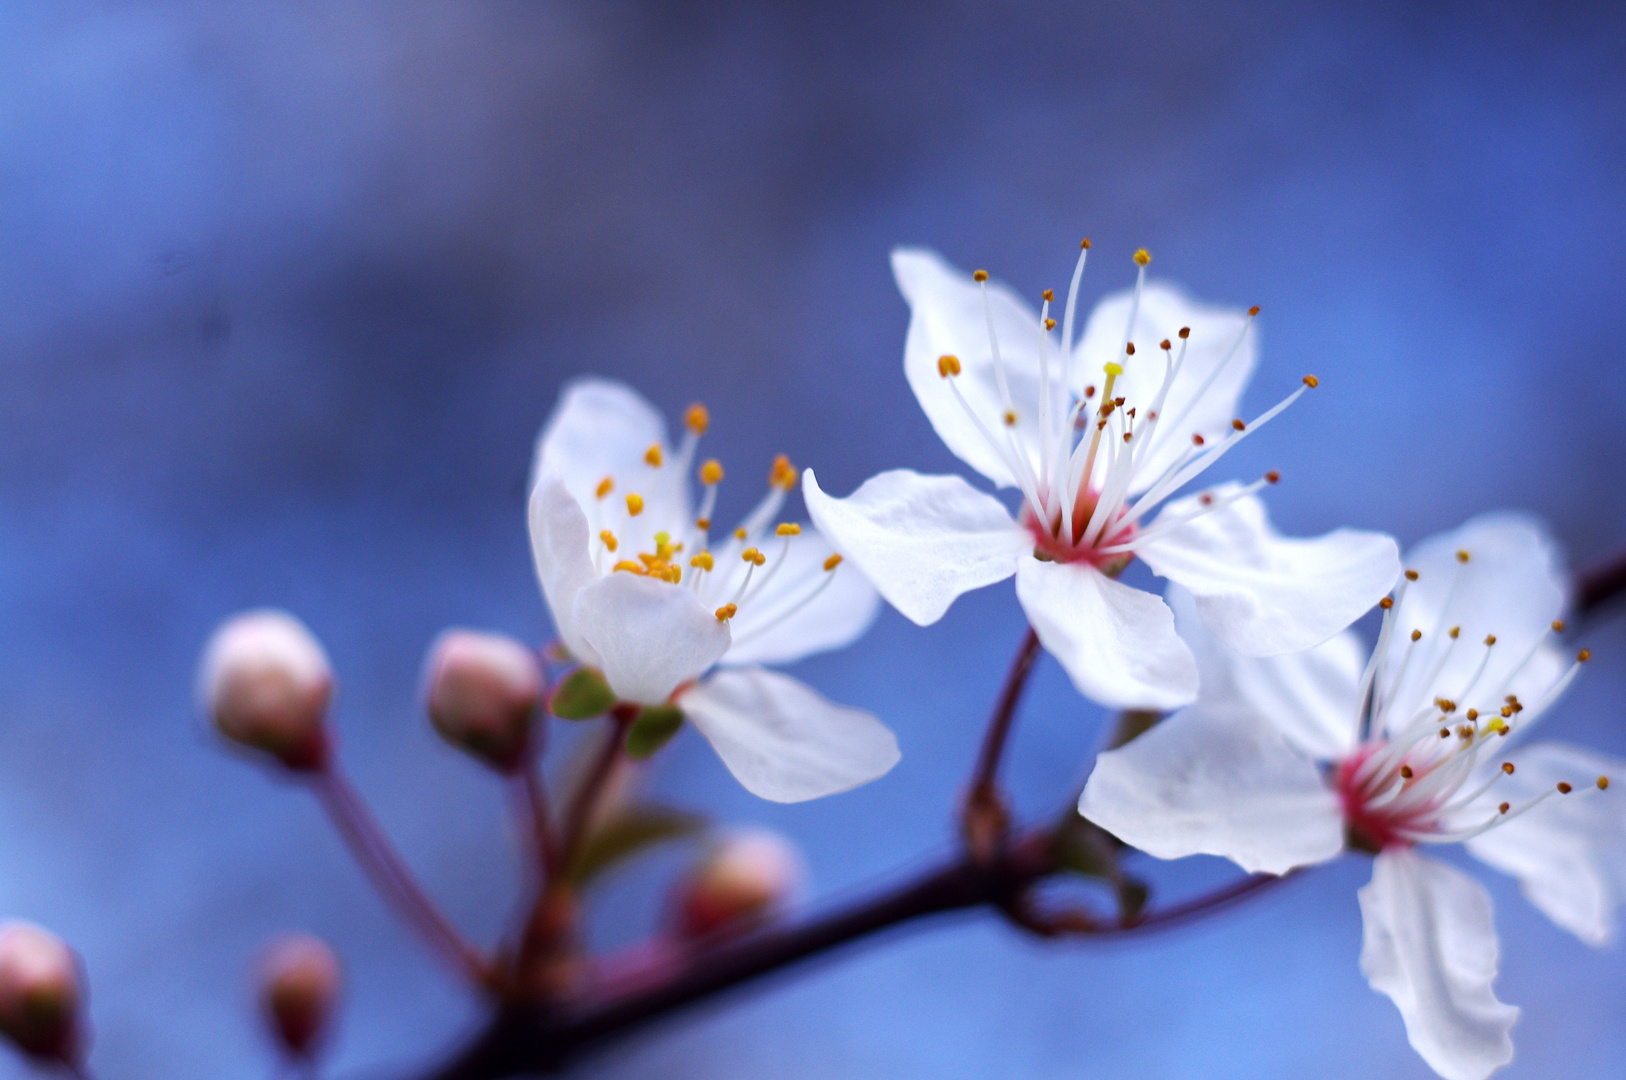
(946, 316)
(1206, 783)
(651, 636)
(783, 741)
(601, 428)
(1312, 697)
(1164, 309)
(1513, 586)
(921, 540)
(560, 549)
(1569, 853)
(1264, 594)
(1430, 945)
(781, 624)
(1116, 643)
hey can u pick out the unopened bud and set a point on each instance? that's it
(299, 988)
(40, 992)
(739, 882)
(265, 683)
(482, 691)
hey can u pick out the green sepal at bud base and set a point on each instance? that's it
(654, 728)
(583, 695)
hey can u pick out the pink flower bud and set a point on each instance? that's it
(300, 984)
(738, 882)
(266, 684)
(39, 992)
(483, 690)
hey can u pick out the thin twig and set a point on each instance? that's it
(583, 806)
(546, 842)
(999, 724)
(390, 874)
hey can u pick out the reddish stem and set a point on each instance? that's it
(999, 724)
(587, 797)
(390, 874)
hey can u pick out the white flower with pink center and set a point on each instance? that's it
(1288, 761)
(639, 591)
(1097, 437)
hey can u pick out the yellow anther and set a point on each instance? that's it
(1411, 575)
(697, 419)
(703, 561)
(979, 275)
(605, 486)
(1142, 257)
(1490, 639)
(788, 528)
(1472, 714)
(753, 556)
(1462, 555)
(702, 523)
(1417, 635)
(1446, 705)
(1085, 243)
(630, 566)
(948, 365)
(832, 562)
(1454, 631)
(610, 542)
(739, 534)
(1253, 311)
(1311, 381)
(1129, 348)
(1406, 772)
(1050, 324)
(1558, 626)
(1563, 788)
(1049, 296)
(1583, 656)
(653, 456)
(726, 612)
(1507, 711)
(1113, 368)
(783, 474)
(1386, 603)
(1165, 345)
(1010, 417)
(674, 574)
(711, 472)
(1185, 332)
(1239, 425)
(1603, 783)
(635, 503)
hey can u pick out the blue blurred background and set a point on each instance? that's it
(287, 289)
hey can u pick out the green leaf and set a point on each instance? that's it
(626, 833)
(654, 728)
(583, 695)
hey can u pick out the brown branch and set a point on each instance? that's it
(547, 1038)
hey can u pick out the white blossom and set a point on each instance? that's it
(639, 590)
(1287, 761)
(1097, 436)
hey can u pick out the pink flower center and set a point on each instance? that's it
(1065, 548)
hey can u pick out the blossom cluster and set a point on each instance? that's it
(1288, 742)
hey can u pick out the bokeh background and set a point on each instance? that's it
(287, 288)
